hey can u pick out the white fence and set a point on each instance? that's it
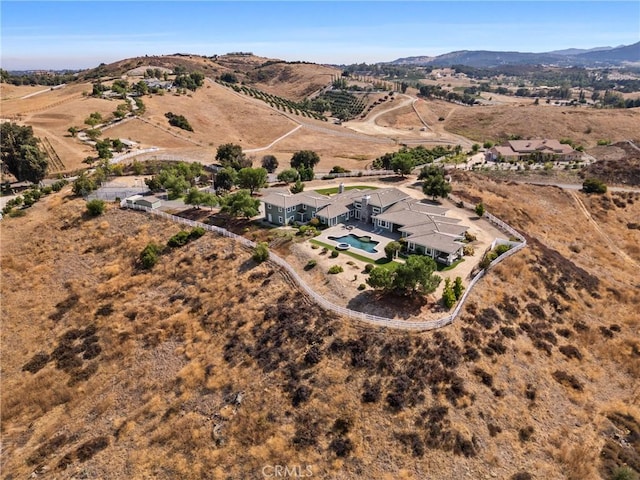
(323, 302)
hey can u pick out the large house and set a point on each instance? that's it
(426, 228)
(540, 150)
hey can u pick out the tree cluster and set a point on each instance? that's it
(21, 154)
(434, 183)
(178, 121)
(304, 162)
(175, 178)
(415, 276)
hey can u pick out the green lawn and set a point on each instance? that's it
(383, 262)
(334, 190)
(443, 268)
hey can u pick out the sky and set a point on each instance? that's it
(77, 35)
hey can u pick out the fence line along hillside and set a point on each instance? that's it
(326, 304)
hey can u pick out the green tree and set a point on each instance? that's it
(96, 207)
(475, 147)
(416, 276)
(402, 163)
(93, 133)
(210, 200)
(269, 163)
(288, 176)
(103, 147)
(261, 252)
(93, 119)
(225, 179)
(240, 204)
(231, 155)
(137, 167)
(194, 197)
(458, 288)
(304, 158)
(381, 279)
(83, 185)
(392, 249)
(297, 187)
(434, 184)
(73, 131)
(480, 209)
(252, 178)
(448, 296)
(21, 154)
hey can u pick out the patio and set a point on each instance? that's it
(359, 229)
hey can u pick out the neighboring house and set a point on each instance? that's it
(148, 201)
(426, 228)
(540, 150)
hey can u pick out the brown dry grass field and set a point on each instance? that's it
(118, 372)
(111, 371)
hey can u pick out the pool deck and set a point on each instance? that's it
(361, 230)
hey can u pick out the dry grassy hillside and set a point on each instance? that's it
(113, 372)
(583, 126)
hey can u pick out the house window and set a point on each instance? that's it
(279, 209)
(357, 204)
(412, 246)
(376, 210)
(269, 206)
(280, 220)
(304, 207)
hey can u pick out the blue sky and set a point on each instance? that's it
(83, 34)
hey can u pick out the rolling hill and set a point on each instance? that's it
(212, 366)
(598, 57)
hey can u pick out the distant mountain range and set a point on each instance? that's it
(595, 57)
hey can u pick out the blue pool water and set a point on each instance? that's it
(355, 242)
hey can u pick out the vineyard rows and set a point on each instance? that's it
(275, 101)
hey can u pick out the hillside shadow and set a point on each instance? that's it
(387, 305)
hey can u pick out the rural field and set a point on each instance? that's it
(212, 365)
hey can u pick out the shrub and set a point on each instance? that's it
(334, 269)
(368, 267)
(624, 473)
(468, 250)
(568, 380)
(334, 253)
(261, 252)
(500, 249)
(593, 185)
(96, 207)
(570, 351)
(525, 434)
(310, 264)
(179, 239)
(341, 446)
(196, 233)
(480, 209)
(371, 393)
(362, 286)
(149, 256)
(178, 121)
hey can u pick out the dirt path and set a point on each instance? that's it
(582, 207)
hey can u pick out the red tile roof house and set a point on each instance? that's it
(426, 228)
(537, 149)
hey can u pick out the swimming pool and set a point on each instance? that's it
(363, 243)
